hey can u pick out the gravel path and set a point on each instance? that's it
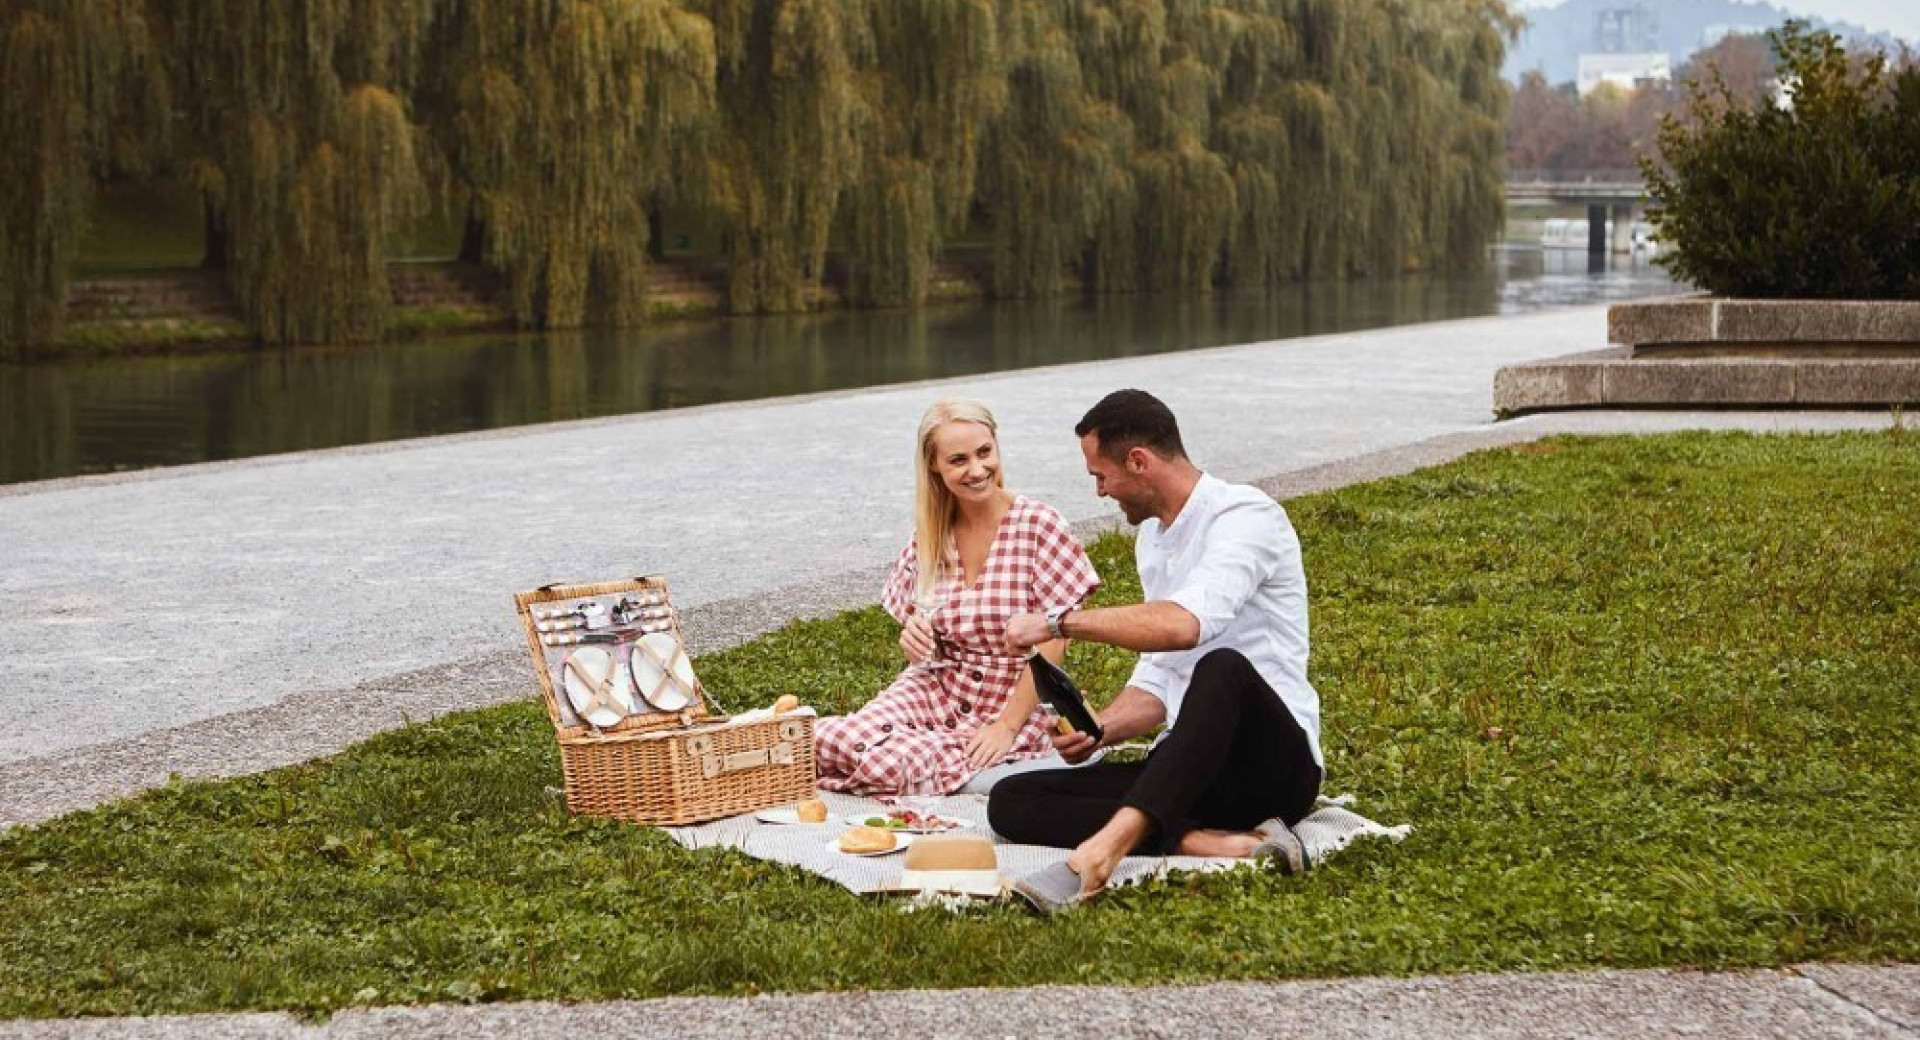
(1836, 1001)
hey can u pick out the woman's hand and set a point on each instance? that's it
(916, 638)
(989, 745)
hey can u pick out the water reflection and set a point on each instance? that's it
(88, 417)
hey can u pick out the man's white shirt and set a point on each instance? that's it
(1232, 560)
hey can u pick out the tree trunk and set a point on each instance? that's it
(473, 240)
(214, 237)
(656, 234)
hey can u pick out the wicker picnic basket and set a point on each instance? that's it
(662, 767)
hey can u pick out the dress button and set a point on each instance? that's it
(977, 676)
(859, 747)
(966, 707)
(886, 727)
(949, 723)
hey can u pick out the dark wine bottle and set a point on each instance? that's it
(1057, 691)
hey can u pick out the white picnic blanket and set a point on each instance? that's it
(1332, 827)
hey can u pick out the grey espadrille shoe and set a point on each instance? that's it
(1052, 889)
(1280, 847)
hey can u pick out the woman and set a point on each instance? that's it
(962, 704)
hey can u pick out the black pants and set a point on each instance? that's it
(1234, 759)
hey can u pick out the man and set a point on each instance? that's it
(1222, 636)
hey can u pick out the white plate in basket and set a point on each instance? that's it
(647, 673)
(596, 662)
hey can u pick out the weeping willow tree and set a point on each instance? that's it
(929, 79)
(1055, 161)
(299, 130)
(1158, 64)
(1364, 137)
(561, 119)
(79, 91)
(1165, 145)
(785, 143)
(1182, 143)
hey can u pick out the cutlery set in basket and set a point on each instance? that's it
(637, 742)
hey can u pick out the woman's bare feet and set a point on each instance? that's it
(1233, 844)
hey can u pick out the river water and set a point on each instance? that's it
(67, 418)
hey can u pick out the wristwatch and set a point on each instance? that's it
(1055, 618)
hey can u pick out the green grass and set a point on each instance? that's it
(147, 336)
(1647, 701)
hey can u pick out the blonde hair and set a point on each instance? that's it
(934, 508)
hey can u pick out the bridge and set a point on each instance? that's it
(1615, 193)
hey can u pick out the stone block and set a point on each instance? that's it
(1866, 383)
(1719, 381)
(1575, 381)
(1676, 320)
(1819, 321)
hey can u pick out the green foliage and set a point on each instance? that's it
(930, 84)
(79, 92)
(1165, 145)
(299, 129)
(1646, 701)
(1820, 200)
(786, 144)
(558, 117)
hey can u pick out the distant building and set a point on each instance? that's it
(1625, 30)
(1626, 71)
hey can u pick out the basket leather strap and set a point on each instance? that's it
(713, 764)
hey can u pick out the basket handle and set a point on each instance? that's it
(780, 754)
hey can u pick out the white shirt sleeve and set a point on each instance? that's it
(1150, 677)
(1245, 545)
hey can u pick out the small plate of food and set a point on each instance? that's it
(870, 841)
(813, 810)
(908, 821)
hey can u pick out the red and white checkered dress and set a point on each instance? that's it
(915, 732)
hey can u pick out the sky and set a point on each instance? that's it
(1899, 17)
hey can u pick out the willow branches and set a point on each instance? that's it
(1127, 145)
(79, 91)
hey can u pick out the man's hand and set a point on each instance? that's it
(916, 639)
(1026, 631)
(1074, 746)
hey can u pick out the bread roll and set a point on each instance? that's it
(813, 810)
(786, 703)
(867, 839)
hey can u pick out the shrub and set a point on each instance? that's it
(1816, 199)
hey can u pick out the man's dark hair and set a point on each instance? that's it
(1126, 419)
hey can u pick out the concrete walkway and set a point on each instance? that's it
(1809, 1001)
